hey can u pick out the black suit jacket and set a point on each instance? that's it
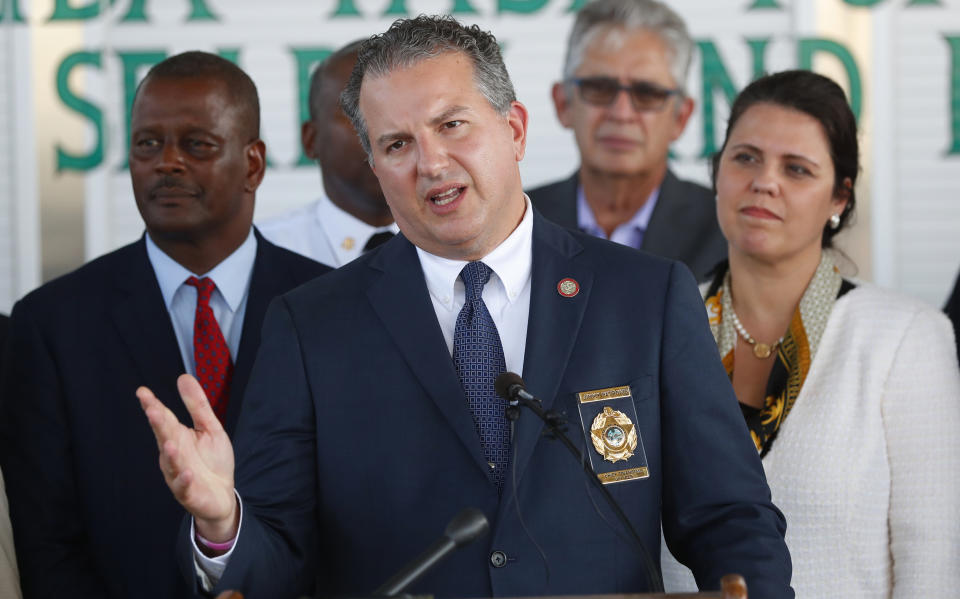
(683, 225)
(4, 329)
(953, 312)
(356, 445)
(92, 516)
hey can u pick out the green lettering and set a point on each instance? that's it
(398, 8)
(576, 5)
(64, 11)
(524, 7)
(462, 7)
(807, 48)
(761, 4)
(954, 42)
(134, 63)
(198, 12)
(758, 50)
(66, 160)
(714, 75)
(345, 8)
(231, 54)
(14, 15)
(307, 59)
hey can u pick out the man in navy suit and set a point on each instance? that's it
(367, 425)
(92, 516)
(623, 95)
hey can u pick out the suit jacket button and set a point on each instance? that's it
(498, 559)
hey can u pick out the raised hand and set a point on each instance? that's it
(197, 463)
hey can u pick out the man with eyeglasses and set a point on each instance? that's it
(622, 95)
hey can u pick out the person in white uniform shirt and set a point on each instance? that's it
(351, 216)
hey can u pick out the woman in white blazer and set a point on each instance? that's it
(851, 393)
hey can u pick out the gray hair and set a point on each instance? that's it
(600, 16)
(410, 41)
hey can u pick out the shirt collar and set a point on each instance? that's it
(587, 223)
(510, 261)
(231, 276)
(347, 233)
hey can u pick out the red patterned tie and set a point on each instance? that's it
(210, 352)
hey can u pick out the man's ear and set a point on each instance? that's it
(308, 139)
(561, 103)
(517, 119)
(682, 115)
(256, 154)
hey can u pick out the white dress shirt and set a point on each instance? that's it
(506, 294)
(507, 297)
(228, 301)
(322, 231)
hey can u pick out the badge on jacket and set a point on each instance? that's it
(608, 417)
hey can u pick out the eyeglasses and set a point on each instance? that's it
(603, 91)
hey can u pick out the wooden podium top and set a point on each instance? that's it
(732, 587)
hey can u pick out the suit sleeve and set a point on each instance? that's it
(718, 517)
(275, 449)
(51, 539)
(921, 417)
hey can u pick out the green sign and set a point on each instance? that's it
(65, 10)
(954, 42)
(66, 160)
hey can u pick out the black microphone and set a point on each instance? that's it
(467, 526)
(511, 387)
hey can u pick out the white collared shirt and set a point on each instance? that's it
(322, 231)
(506, 294)
(228, 301)
(630, 233)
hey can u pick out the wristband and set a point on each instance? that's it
(215, 546)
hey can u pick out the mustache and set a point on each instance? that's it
(169, 184)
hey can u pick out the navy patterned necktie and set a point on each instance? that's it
(478, 357)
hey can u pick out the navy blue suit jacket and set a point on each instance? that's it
(91, 514)
(683, 225)
(356, 445)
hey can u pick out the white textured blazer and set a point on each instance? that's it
(9, 576)
(866, 467)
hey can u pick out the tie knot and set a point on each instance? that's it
(474, 276)
(205, 287)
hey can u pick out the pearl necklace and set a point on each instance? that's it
(760, 350)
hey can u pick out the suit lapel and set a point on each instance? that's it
(553, 325)
(667, 219)
(400, 298)
(266, 282)
(144, 326)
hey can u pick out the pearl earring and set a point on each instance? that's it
(835, 222)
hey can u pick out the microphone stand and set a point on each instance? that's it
(555, 422)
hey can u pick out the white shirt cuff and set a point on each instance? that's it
(210, 569)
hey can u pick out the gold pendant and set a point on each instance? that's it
(613, 435)
(761, 350)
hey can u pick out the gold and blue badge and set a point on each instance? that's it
(608, 417)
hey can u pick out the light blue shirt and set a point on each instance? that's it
(228, 301)
(629, 233)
